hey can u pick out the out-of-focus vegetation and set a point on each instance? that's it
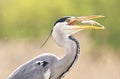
(35, 18)
(23, 20)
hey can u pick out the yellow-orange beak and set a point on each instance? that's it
(85, 22)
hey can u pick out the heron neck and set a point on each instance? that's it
(72, 48)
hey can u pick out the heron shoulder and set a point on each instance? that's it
(40, 64)
(48, 57)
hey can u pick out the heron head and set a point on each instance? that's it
(71, 25)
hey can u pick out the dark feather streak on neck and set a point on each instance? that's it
(77, 52)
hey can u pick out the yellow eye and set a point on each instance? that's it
(68, 20)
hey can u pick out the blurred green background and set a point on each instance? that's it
(25, 23)
(35, 18)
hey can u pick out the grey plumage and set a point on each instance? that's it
(33, 67)
(49, 66)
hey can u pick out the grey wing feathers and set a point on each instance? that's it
(35, 68)
(31, 70)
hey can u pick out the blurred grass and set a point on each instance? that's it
(94, 62)
(23, 20)
(34, 18)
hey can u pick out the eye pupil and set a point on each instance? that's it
(68, 20)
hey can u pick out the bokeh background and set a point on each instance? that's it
(25, 24)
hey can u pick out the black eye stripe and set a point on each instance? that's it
(61, 20)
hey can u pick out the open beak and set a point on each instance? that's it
(85, 22)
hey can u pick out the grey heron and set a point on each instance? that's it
(49, 66)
